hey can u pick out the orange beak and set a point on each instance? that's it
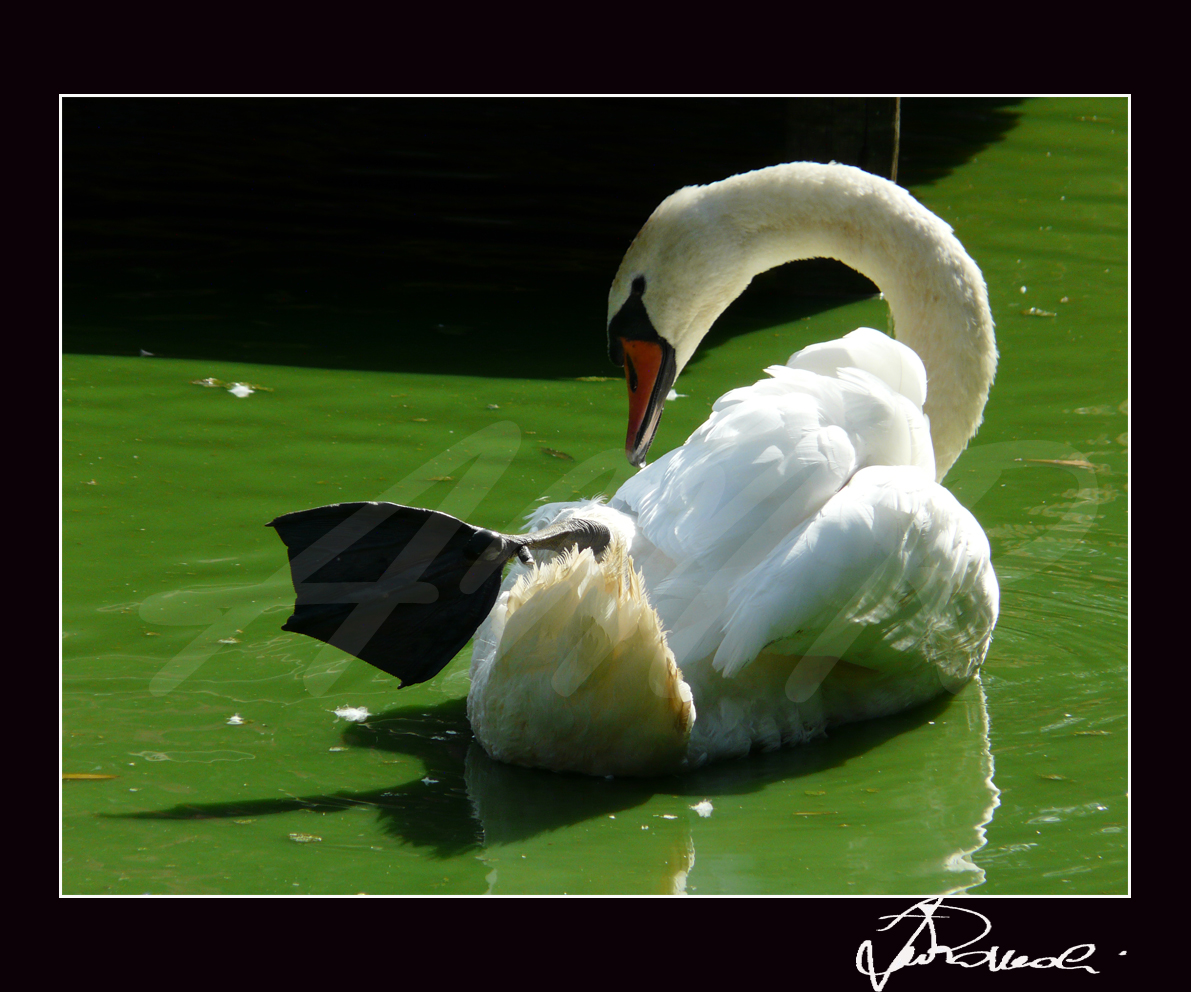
(649, 370)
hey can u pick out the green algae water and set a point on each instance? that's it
(226, 769)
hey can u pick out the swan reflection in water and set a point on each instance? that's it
(916, 830)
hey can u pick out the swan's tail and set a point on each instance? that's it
(582, 678)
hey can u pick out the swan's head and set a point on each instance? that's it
(676, 278)
(703, 245)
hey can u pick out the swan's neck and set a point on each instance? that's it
(936, 295)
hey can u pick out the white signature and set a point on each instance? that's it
(909, 955)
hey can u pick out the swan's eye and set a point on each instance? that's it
(639, 286)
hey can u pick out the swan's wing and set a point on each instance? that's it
(893, 572)
(889, 360)
(768, 459)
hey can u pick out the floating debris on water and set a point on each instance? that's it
(235, 720)
(85, 777)
(239, 389)
(493, 406)
(703, 808)
(558, 454)
(354, 714)
(1035, 312)
(1065, 462)
(305, 838)
(146, 354)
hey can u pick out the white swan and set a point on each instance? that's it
(795, 564)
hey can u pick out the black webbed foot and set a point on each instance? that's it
(401, 587)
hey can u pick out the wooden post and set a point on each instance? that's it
(858, 131)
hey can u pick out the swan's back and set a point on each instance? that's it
(772, 454)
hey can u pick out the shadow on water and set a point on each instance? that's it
(465, 800)
(464, 236)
